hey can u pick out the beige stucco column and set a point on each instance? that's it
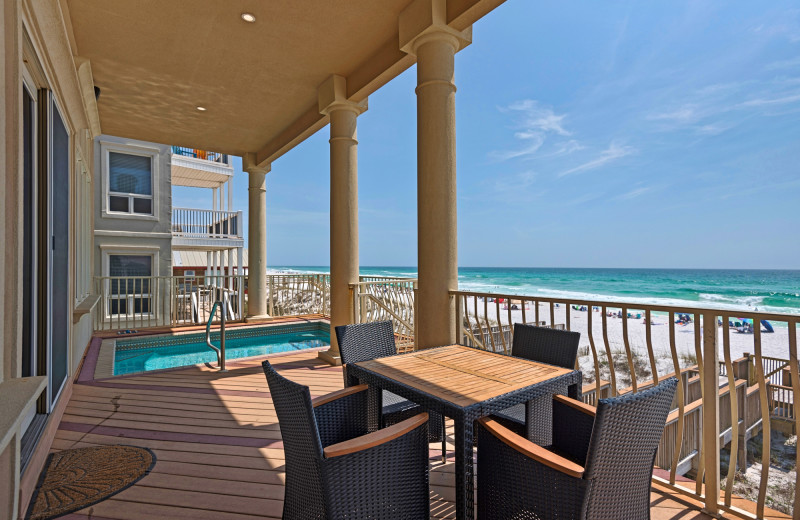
(257, 241)
(344, 202)
(425, 34)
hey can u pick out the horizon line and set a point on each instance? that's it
(553, 267)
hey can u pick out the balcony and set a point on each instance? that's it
(199, 168)
(203, 228)
(752, 395)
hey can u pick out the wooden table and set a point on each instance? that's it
(464, 384)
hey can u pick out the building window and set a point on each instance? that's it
(130, 280)
(130, 183)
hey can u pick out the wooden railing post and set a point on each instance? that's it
(271, 292)
(711, 413)
(354, 296)
(460, 318)
(416, 316)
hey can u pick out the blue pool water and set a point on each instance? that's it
(156, 353)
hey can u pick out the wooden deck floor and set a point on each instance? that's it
(218, 443)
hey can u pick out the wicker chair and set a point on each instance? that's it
(599, 466)
(335, 469)
(366, 341)
(545, 345)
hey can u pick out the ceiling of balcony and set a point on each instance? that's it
(155, 61)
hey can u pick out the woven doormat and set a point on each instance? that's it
(74, 479)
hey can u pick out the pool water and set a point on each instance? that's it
(156, 353)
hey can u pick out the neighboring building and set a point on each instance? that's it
(191, 263)
(138, 232)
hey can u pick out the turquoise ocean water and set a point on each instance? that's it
(765, 290)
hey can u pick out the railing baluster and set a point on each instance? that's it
(698, 352)
(500, 324)
(597, 377)
(612, 372)
(628, 352)
(765, 420)
(676, 454)
(649, 341)
(795, 375)
(734, 404)
(710, 411)
(488, 323)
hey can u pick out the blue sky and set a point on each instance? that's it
(589, 134)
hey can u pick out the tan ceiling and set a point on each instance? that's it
(155, 61)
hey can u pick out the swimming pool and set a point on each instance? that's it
(159, 352)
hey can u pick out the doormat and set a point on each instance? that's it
(75, 479)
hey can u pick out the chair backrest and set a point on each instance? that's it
(301, 444)
(366, 341)
(627, 430)
(546, 345)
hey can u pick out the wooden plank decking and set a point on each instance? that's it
(218, 443)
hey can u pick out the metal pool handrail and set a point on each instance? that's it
(221, 350)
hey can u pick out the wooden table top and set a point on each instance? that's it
(462, 375)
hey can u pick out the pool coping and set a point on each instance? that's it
(99, 362)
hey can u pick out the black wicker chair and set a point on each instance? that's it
(545, 345)
(335, 469)
(599, 466)
(366, 341)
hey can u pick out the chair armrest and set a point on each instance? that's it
(577, 405)
(327, 398)
(376, 438)
(531, 450)
(573, 422)
(341, 415)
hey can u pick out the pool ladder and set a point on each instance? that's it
(221, 350)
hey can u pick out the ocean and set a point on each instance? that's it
(763, 290)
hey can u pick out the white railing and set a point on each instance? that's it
(382, 298)
(206, 223)
(626, 347)
(135, 302)
(298, 294)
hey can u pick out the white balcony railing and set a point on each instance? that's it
(727, 396)
(206, 223)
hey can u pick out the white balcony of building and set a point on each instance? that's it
(199, 168)
(218, 228)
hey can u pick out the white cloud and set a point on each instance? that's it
(518, 182)
(712, 129)
(568, 147)
(784, 64)
(634, 193)
(683, 114)
(613, 152)
(535, 123)
(584, 199)
(758, 102)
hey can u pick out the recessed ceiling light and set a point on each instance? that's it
(201, 109)
(248, 17)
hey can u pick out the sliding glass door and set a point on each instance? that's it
(60, 308)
